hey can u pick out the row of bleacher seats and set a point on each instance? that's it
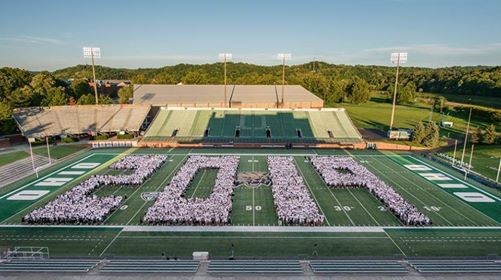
(357, 266)
(329, 125)
(456, 266)
(150, 266)
(255, 266)
(48, 265)
(250, 266)
(49, 121)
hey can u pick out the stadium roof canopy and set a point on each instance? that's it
(39, 122)
(212, 96)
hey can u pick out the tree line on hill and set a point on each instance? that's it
(333, 83)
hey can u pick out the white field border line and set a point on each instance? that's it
(252, 154)
(46, 176)
(460, 180)
(254, 228)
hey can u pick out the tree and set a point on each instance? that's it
(86, 99)
(316, 84)
(419, 133)
(196, 78)
(439, 104)
(476, 136)
(54, 97)
(7, 124)
(80, 87)
(124, 94)
(359, 91)
(105, 99)
(489, 136)
(163, 78)
(139, 79)
(432, 135)
(406, 94)
(21, 97)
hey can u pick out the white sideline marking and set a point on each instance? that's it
(435, 176)
(71, 173)
(473, 197)
(27, 195)
(417, 167)
(53, 182)
(452, 186)
(86, 165)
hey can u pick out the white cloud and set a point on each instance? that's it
(32, 40)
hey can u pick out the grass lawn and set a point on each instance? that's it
(11, 157)
(58, 152)
(377, 113)
(487, 101)
(485, 158)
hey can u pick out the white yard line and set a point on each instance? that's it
(253, 209)
(369, 213)
(116, 236)
(395, 244)
(311, 191)
(199, 182)
(160, 185)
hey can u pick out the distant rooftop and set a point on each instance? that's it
(245, 96)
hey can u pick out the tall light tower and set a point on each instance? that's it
(225, 57)
(396, 58)
(91, 52)
(283, 57)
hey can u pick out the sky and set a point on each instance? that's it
(49, 35)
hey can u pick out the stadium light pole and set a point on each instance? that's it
(283, 57)
(92, 53)
(454, 155)
(48, 150)
(499, 171)
(225, 57)
(466, 137)
(396, 58)
(32, 158)
(469, 164)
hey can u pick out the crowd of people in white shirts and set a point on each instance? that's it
(79, 206)
(293, 202)
(172, 208)
(345, 172)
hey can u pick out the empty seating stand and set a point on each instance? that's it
(150, 266)
(48, 265)
(254, 266)
(456, 266)
(357, 266)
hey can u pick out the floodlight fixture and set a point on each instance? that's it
(283, 57)
(92, 53)
(225, 57)
(396, 58)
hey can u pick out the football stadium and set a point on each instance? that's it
(252, 184)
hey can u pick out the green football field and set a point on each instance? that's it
(466, 216)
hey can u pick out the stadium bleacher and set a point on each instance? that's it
(39, 122)
(456, 266)
(357, 266)
(150, 266)
(284, 126)
(255, 266)
(48, 265)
